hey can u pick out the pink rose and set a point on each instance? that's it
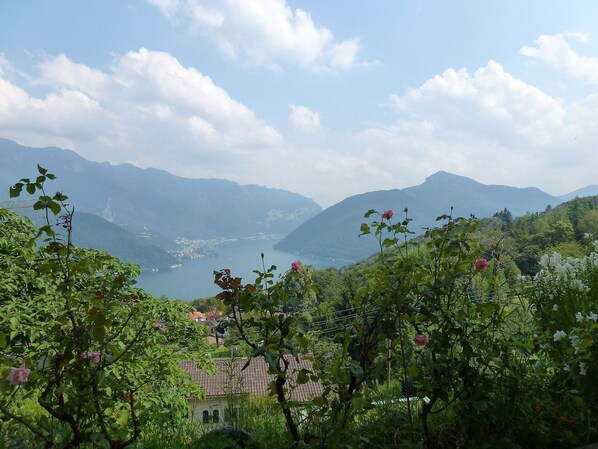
(387, 214)
(295, 266)
(94, 357)
(18, 375)
(420, 340)
(480, 264)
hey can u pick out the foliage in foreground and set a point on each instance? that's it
(86, 358)
(472, 355)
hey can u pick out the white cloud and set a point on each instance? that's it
(61, 72)
(343, 55)
(303, 117)
(3, 64)
(59, 119)
(491, 127)
(265, 33)
(556, 50)
(148, 109)
(488, 104)
(167, 7)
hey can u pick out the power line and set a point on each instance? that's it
(16, 204)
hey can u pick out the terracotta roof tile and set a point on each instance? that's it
(253, 380)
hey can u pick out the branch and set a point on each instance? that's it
(46, 438)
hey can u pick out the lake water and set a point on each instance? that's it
(195, 279)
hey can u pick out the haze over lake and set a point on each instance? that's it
(195, 279)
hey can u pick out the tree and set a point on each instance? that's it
(99, 357)
(268, 316)
(505, 216)
(440, 310)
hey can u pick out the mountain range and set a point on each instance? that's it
(154, 204)
(143, 215)
(334, 232)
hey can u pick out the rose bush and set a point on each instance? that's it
(77, 338)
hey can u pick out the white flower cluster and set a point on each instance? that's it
(575, 343)
(583, 368)
(559, 335)
(580, 317)
(566, 271)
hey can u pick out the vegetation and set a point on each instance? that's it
(477, 334)
(86, 357)
(568, 229)
(469, 340)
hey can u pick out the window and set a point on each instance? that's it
(206, 416)
(216, 415)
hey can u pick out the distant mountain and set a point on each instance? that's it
(91, 231)
(442, 190)
(583, 192)
(334, 232)
(156, 202)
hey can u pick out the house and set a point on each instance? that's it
(210, 319)
(231, 383)
(198, 317)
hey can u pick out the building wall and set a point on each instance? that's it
(210, 411)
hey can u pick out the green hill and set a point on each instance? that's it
(568, 229)
(333, 233)
(91, 231)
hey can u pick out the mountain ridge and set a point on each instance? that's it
(146, 209)
(170, 205)
(162, 207)
(441, 193)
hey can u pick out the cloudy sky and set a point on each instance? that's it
(323, 98)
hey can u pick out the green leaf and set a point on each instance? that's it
(585, 343)
(319, 401)
(2, 341)
(44, 361)
(30, 189)
(413, 370)
(54, 207)
(16, 190)
(4, 385)
(41, 170)
(302, 377)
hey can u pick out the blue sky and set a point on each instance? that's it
(327, 99)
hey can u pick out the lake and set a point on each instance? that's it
(195, 279)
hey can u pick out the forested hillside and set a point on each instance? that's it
(567, 229)
(333, 232)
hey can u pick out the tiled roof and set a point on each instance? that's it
(253, 380)
(197, 315)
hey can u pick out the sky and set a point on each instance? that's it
(324, 98)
